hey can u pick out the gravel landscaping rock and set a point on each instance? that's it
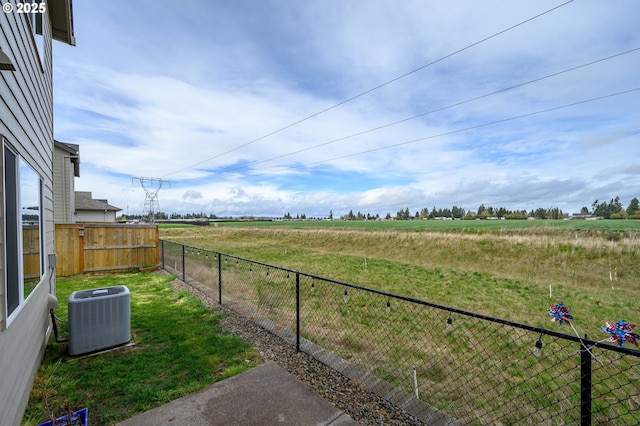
(346, 394)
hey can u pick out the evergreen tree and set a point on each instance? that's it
(432, 215)
(634, 207)
(457, 212)
(615, 206)
(540, 213)
(605, 209)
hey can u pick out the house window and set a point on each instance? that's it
(34, 11)
(23, 230)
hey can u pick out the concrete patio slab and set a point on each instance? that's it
(265, 395)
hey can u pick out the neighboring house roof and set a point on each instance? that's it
(84, 201)
(74, 150)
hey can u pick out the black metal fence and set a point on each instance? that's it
(442, 364)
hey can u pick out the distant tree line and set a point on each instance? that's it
(359, 216)
(299, 216)
(165, 216)
(483, 212)
(612, 209)
(608, 210)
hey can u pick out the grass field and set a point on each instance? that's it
(475, 370)
(509, 269)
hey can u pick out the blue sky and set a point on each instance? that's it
(205, 94)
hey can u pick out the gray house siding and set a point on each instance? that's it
(26, 127)
(96, 217)
(89, 209)
(65, 168)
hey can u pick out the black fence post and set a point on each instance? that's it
(585, 387)
(162, 253)
(183, 274)
(297, 312)
(219, 278)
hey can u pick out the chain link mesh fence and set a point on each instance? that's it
(443, 365)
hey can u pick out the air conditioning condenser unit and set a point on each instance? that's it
(99, 318)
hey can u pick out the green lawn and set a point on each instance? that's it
(179, 348)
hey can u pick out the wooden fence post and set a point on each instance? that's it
(81, 249)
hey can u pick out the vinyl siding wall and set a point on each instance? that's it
(63, 181)
(26, 123)
(95, 216)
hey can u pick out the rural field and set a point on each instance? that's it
(503, 269)
(508, 269)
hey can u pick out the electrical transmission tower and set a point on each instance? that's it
(151, 187)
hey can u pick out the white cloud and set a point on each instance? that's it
(197, 93)
(192, 195)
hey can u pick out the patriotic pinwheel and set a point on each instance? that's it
(621, 332)
(560, 313)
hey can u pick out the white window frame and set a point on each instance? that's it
(35, 18)
(14, 262)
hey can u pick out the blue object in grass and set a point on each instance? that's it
(80, 417)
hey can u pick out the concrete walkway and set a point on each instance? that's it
(265, 395)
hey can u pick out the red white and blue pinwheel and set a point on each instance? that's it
(560, 313)
(621, 332)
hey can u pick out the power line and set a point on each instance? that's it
(555, 74)
(452, 132)
(371, 90)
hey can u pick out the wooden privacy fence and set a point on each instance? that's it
(31, 252)
(101, 247)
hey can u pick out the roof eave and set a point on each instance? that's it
(76, 166)
(74, 152)
(61, 13)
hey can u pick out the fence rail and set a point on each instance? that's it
(444, 365)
